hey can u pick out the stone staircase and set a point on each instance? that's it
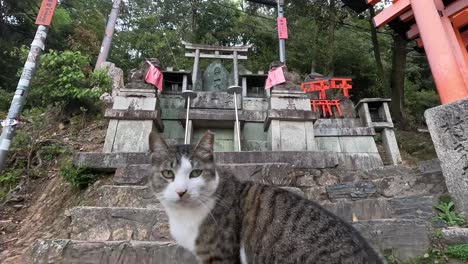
(392, 206)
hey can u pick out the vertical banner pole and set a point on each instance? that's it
(44, 20)
(107, 41)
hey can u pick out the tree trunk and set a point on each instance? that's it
(378, 58)
(398, 79)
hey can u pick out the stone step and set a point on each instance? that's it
(135, 197)
(455, 235)
(113, 223)
(417, 208)
(107, 252)
(404, 239)
(403, 185)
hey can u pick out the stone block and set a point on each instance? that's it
(256, 104)
(338, 123)
(455, 235)
(355, 190)
(429, 167)
(289, 102)
(289, 115)
(405, 239)
(359, 161)
(109, 161)
(292, 136)
(134, 103)
(358, 144)
(328, 144)
(105, 252)
(214, 100)
(113, 224)
(132, 136)
(130, 175)
(126, 196)
(391, 146)
(344, 132)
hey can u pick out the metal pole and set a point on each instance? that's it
(106, 42)
(282, 42)
(237, 122)
(19, 99)
(187, 140)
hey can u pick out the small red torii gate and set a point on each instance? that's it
(321, 85)
(438, 26)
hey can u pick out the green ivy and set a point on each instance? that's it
(446, 212)
(79, 178)
(458, 252)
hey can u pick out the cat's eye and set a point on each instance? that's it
(168, 174)
(195, 173)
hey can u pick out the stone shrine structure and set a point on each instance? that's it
(333, 161)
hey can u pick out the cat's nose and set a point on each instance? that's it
(181, 193)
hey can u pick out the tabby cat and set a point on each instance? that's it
(225, 221)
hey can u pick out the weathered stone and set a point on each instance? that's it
(111, 224)
(355, 190)
(405, 239)
(132, 175)
(109, 161)
(358, 161)
(316, 194)
(215, 100)
(391, 146)
(358, 144)
(343, 131)
(455, 235)
(215, 78)
(116, 74)
(418, 208)
(126, 196)
(289, 115)
(327, 179)
(430, 167)
(294, 190)
(328, 144)
(105, 252)
(407, 185)
(338, 123)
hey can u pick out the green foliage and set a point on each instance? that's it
(79, 178)
(8, 180)
(458, 252)
(446, 212)
(66, 77)
(51, 152)
(418, 101)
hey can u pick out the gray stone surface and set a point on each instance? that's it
(215, 100)
(448, 126)
(418, 208)
(355, 190)
(343, 131)
(132, 174)
(215, 78)
(339, 123)
(391, 146)
(109, 161)
(405, 239)
(126, 196)
(117, 252)
(455, 235)
(113, 223)
(358, 161)
(430, 167)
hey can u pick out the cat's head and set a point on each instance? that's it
(180, 176)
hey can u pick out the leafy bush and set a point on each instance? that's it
(458, 252)
(417, 102)
(446, 213)
(79, 178)
(66, 77)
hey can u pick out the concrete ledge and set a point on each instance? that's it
(104, 252)
(136, 115)
(109, 161)
(343, 132)
(289, 115)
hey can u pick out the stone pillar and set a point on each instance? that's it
(290, 121)
(375, 113)
(134, 115)
(448, 125)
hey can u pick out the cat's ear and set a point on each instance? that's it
(204, 149)
(157, 143)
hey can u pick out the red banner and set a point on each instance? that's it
(46, 12)
(282, 28)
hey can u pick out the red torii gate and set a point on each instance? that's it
(438, 26)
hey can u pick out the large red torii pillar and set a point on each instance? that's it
(441, 28)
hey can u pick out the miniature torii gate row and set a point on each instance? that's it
(440, 27)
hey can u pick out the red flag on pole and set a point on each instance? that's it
(154, 76)
(275, 77)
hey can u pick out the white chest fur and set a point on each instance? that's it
(185, 223)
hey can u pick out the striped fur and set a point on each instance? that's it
(254, 223)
